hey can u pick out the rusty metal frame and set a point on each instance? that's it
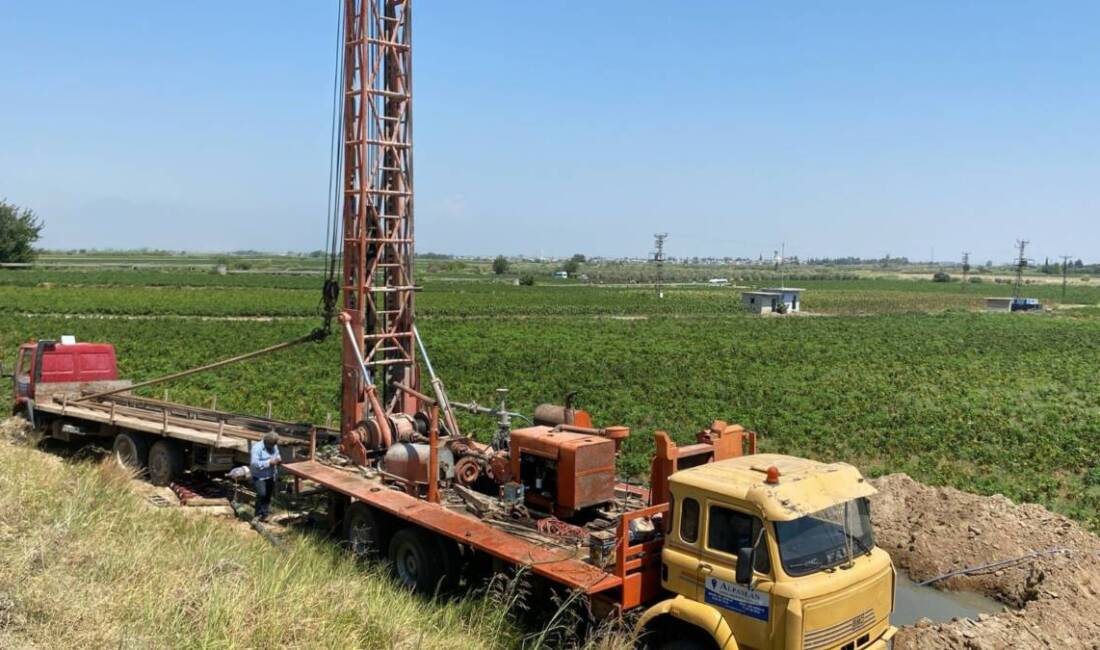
(378, 287)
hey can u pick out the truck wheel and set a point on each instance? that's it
(165, 462)
(689, 641)
(131, 450)
(451, 558)
(361, 530)
(414, 555)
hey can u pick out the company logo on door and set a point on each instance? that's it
(734, 597)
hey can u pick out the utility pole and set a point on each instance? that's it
(966, 268)
(782, 263)
(1065, 271)
(1021, 264)
(659, 260)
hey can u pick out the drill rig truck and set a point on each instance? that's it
(726, 547)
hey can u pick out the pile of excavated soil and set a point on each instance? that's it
(1052, 601)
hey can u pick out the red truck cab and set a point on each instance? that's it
(51, 362)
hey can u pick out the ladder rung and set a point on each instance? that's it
(388, 143)
(382, 143)
(386, 335)
(378, 240)
(353, 289)
(387, 362)
(389, 192)
(396, 44)
(410, 287)
(378, 92)
(388, 94)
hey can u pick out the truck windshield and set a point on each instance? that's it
(826, 538)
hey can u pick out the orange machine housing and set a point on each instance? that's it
(563, 472)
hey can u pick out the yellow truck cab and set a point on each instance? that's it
(772, 552)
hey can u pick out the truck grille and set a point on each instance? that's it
(829, 636)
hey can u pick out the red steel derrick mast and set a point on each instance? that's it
(378, 287)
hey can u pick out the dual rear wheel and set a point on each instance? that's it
(162, 462)
(420, 559)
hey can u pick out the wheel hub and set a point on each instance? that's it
(409, 566)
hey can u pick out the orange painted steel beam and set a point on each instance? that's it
(550, 563)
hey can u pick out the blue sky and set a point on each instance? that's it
(841, 128)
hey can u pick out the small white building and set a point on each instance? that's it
(561, 275)
(718, 282)
(782, 300)
(1013, 304)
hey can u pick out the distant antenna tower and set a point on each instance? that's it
(966, 268)
(1065, 272)
(659, 260)
(1021, 264)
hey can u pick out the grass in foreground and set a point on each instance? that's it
(86, 563)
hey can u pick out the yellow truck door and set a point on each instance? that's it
(747, 608)
(681, 553)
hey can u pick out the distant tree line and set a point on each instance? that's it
(857, 261)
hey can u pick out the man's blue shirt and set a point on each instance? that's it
(260, 463)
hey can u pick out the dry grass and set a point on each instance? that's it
(84, 562)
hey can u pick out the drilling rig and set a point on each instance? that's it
(438, 501)
(725, 548)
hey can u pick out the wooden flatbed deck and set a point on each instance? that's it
(557, 564)
(215, 429)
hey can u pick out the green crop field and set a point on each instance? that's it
(892, 375)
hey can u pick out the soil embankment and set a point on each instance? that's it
(1052, 601)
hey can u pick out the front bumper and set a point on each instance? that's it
(884, 642)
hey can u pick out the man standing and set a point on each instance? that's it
(264, 461)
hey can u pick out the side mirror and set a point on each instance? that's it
(743, 574)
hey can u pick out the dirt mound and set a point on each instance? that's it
(1052, 601)
(17, 430)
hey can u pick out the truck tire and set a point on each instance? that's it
(690, 640)
(361, 530)
(165, 462)
(415, 559)
(451, 557)
(131, 450)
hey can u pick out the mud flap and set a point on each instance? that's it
(29, 405)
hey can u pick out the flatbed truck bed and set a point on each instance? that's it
(571, 567)
(215, 429)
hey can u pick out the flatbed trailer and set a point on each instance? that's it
(571, 567)
(71, 391)
(166, 439)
